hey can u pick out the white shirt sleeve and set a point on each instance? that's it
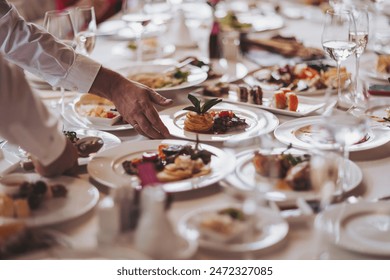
(38, 52)
(25, 120)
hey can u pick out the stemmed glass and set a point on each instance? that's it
(336, 39)
(133, 14)
(59, 24)
(85, 27)
(361, 18)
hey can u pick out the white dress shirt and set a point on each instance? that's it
(24, 120)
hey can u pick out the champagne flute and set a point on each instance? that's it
(336, 39)
(136, 19)
(360, 36)
(85, 27)
(59, 24)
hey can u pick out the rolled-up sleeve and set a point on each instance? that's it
(38, 52)
(25, 120)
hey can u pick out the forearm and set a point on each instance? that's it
(24, 120)
(38, 52)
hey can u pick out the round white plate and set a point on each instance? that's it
(75, 120)
(245, 178)
(81, 198)
(195, 77)
(148, 53)
(360, 227)
(288, 131)
(106, 167)
(259, 122)
(271, 230)
(109, 140)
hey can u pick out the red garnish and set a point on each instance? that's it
(110, 115)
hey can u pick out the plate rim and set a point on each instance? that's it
(224, 247)
(287, 125)
(104, 159)
(353, 209)
(31, 222)
(168, 114)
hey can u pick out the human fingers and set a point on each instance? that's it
(159, 99)
(154, 118)
(146, 128)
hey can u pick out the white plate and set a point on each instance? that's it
(106, 167)
(195, 77)
(288, 131)
(228, 71)
(109, 140)
(148, 52)
(75, 120)
(8, 161)
(81, 198)
(272, 229)
(306, 105)
(245, 178)
(259, 122)
(360, 227)
(372, 73)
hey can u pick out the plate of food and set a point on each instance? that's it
(358, 227)
(283, 101)
(38, 201)
(302, 133)
(164, 76)
(87, 141)
(285, 172)
(311, 78)
(216, 123)
(226, 228)
(93, 112)
(181, 165)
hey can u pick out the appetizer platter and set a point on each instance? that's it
(225, 228)
(358, 227)
(38, 201)
(165, 76)
(185, 165)
(302, 134)
(216, 121)
(311, 78)
(285, 172)
(89, 111)
(282, 101)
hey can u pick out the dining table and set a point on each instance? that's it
(303, 240)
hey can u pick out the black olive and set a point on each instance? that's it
(39, 187)
(172, 150)
(34, 201)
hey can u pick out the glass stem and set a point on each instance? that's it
(62, 100)
(356, 94)
(342, 170)
(339, 81)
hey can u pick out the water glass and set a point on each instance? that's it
(85, 27)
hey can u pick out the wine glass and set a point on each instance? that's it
(360, 36)
(336, 39)
(135, 17)
(59, 24)
(85, 27)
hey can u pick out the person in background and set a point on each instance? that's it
(35, 50)
(32, 10)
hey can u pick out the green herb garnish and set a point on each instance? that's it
(234, 213)
(197, 108)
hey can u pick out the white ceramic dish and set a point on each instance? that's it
(81, 198)
(259, 122)
(270, 229)
(289, 133)
(245, 178)
(195, 77)
(306, 105)
(106, 167)
(109, 140)
(359, 227)
(75, 120)
(82, 110)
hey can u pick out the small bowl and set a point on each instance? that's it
(10, 183)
